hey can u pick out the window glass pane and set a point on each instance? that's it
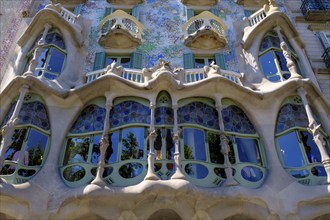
(169, 145)
(199, 63)
(77, 150)
(50, 76)
(214, 147)
(13, 151)
(42, 58)
(56, 61)
(290, 150)
(132, 143)
(58, 41)
(311, 149)
(96, 149)
(158, 144)
(35, 148)
(112, 150)
(248, 150)
(268, 64)
(281, 60)
(125, 62)
(210, 60)
(49, 38)
(194, 144)
(110, 60)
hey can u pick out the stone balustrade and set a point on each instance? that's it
(68, 15)
(190, 75)
(257, 17)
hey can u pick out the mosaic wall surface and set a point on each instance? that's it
(290, 116)
(163, 35)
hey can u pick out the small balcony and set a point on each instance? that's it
(69, 2)
(205, 31)
(125, 2)
(326, 57)
(199, 2)
(316, 10)
(120, 30)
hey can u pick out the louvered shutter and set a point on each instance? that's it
(188, 60)
(189, 13)
(99, 61)
(324, 40)
(220, 60)
(136, 12)
(77, 9)
(215, 11)
(136, 60)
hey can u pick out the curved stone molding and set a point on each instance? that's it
(69, 2)
(120, 30)
(200, 2)
(264, 20)
(58, 17)
(125, 2)
(205, 31)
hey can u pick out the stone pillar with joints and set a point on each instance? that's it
(287, 54)
(151, 175)
(37, 52)
(225, 149)
(104, 143)
(176, 137)
(8, 129)
(314, 129)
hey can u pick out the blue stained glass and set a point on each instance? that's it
(164, 115)
(198, 113)
(129, 112)
(235, 120)
(291, 116)
(90, 119)
(31, 113)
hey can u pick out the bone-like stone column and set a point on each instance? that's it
(314, 129)
(37, 52)
(104, 143)
(225, 149)
(8, 129)
(176, 137)
(287, 54)
(151, 175)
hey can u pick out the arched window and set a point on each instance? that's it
(271, 58)
(52, 57)
(298, 152)
(82, 150)
(202, 159)
(125, 156)
(164, 144)
(247, 158)
(129, 123)
(28, 151)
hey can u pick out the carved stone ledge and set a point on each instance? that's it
(199, 2)
(125, 2)
(119, 39)
(205, 39)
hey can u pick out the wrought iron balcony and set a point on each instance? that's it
(326, 57)
(316, 10)
(125, 2)
(199, 2)
(205, 31)
(120, 30)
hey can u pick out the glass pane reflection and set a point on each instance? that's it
(194, 144)
(132, 143)
(268, 64)
(290, 150)
(77, 150)
(248, 150)
(311, 149)
(36, 147)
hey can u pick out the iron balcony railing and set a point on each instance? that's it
(326, 57)
(316, 9)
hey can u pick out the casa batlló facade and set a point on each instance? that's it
(174, 109)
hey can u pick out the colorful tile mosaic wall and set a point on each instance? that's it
(10, 28)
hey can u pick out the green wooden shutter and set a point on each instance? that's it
(136, 12)
(77, 9)
(108, 11)
(136, 60)
(248, 13)
(188, 60)
(220, 60)
(189, 13)
(215, 11)
(99, 61)
(324, 40)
